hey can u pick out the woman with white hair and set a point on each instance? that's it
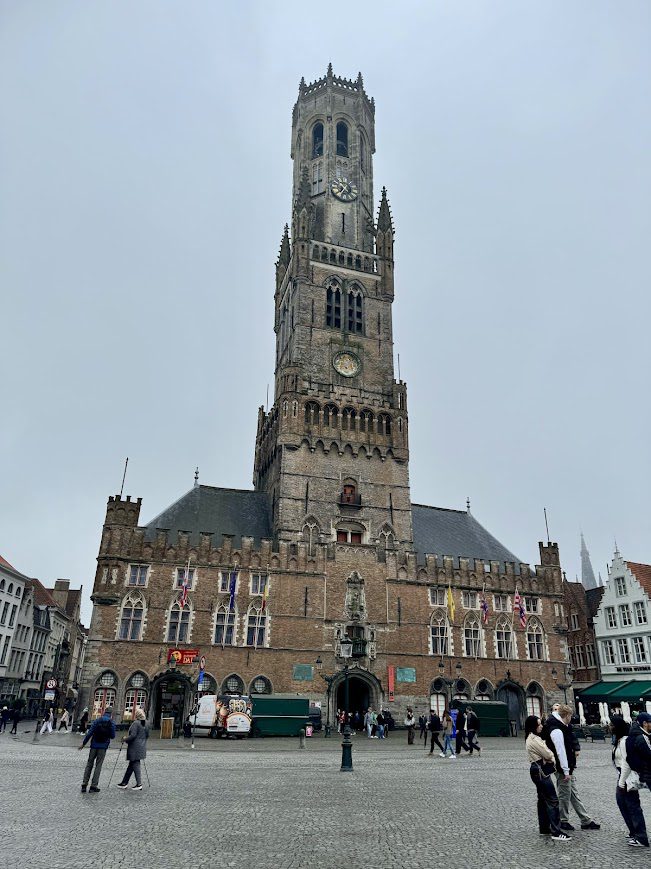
(136, 741)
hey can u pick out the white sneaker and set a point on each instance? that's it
(441, 754)
(136, 788)
(562, 837)
(453, 757)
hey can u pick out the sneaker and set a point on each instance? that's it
(83, 789)
(441, 754)
(633, 843)
(136, 787)
(453, 757)
(562, 837)
(565, 825)
(123, 785)
(591, 826)
(93, 789)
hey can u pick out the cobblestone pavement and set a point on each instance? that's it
(265, 803)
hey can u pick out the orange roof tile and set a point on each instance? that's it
(642, 572)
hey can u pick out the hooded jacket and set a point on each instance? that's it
(638, 751)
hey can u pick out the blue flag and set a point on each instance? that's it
(231, 591)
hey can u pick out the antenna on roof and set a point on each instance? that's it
(124, 476)
(468, 504)
(546, 525)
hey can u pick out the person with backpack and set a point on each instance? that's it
(100, 734)
(627, 791)
(472, 729)
(638, 747)
(136, 741)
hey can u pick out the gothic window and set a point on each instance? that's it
(504, 646)
(330, 414)
(387, 538)
(284, 409)
(260, 685)
(472, 637)
(311, 535)
(138, 574)
(225, 626)
(349, 493)
(179, 624)
(333, 306)
(355, 316)
(181, 574)
(136, 695)
(384, 424)
(317, 140)
(131, 617)
(342, 139)
(348, 419)
(535, 644)
(317, 178)
(439, 634)
(366, 421)
(233, 684)
(400, 423)
(311, 413)
(102, 699)
(256, 626)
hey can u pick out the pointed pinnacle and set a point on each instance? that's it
(384, 221)
(329, 70)
(360, 80)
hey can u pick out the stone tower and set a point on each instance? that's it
(587, 573)
(332, 452)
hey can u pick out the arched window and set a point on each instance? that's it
(333, 306)
(461, 690)
(399, 423)
(349, 492)
(18, 591)
(260, 685)
(311, 535)
(366, 421)
(483, 690)
(233, 684)
(362, 153)
(534, 699)
(355, 314)
(135, 696)
(471, 637)
(2, 585)
(284, 409)
(535, 641)
(342, 139)
(317, 140)
(104, 694)
(330, 415)
(10, 588)
(311, 413)
(256, 626)
(348, 419)
(178, 629)
(131, 617)
(387, 537)
(225, 622)
(384, 424)
(504, 641)
(439, 634)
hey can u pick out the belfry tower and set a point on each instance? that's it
(332, 452)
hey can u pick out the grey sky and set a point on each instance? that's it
(144, 183)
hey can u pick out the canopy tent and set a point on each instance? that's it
(616, 692)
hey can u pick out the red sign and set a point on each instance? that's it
(392, 682)
(181, 656)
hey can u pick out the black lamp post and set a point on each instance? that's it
(328, 680)
(346, 646)
(567, 683)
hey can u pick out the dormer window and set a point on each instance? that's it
(317, 140)
(342, 139)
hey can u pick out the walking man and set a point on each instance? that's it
(15, 718)
(100, 734)
(461, 733)
(368, 722)
(4, 718)
(472, 728)
(561, 741)
(48, 721)
(435, 729)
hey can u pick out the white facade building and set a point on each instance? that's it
(12, 588)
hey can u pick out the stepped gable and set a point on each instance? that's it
(455, 533)
(236, 512)
(642, 572)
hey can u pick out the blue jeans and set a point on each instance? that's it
(380, 731)
(447, 743)
(628, 803)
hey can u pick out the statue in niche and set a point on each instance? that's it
(355, 598)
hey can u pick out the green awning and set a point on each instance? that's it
(614, 692)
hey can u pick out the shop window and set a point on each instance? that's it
(102, 699)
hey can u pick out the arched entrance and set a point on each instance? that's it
(171, 696)
(513, 696)
(364, 690)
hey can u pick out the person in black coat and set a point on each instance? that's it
(435, 728)
(638, 747)
(461, 732)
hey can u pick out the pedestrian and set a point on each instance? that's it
(638, 747)
(541, 760)
(461, 732)
(448, 730)
(83, 721)
(410, 724)
(422, 723)
(472, 729)
(434, 726)
(100, 733)
(560, 740)
(341, 718)
(368, 722)
(627, 791)
(380, 725)
(48, 721)
(4, 718)
(63, 722)
(15, 718)
(136, 741)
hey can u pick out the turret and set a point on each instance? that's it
(284, 256)
(122, 512)
(384, 243)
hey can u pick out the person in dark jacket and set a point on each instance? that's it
(15, 718)
(461, 732)
(435, 728)
(4, 718)
(136, 741)
(561, 740)
(626, 792)
(100, 733)
(472, 729)
(638, 747)
(83, 721)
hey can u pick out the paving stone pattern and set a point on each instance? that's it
(265, 803)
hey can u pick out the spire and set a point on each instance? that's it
(360, 81)
(601, 582)
(303, 197)
(285, 252)
(384, 220)
(196, 477)
(587, 573)
(329, 73)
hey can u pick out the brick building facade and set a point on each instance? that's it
(328, 544)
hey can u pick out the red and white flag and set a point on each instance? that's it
(519, 609)
(184, 588)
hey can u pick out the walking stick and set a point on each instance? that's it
(115, 767)
(144, 766)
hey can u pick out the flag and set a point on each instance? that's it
(518, 608)
(265, 594)
(231, 592)
(184, 588)
(450, 603)
(483, 606)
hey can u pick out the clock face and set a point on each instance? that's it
(346, 364)
(343, 189)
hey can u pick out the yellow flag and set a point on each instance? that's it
(450, 604)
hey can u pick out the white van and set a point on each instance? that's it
(221, 716)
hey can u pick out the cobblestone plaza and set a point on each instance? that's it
(265, 803)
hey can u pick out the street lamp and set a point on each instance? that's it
(328, 680)
(346, 652)
(567, 683)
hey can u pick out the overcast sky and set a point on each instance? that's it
(145, 179)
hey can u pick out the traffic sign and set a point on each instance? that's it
(51, 684)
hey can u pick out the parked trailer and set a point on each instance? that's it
(493, 715)
(278, 715)
(227, 715)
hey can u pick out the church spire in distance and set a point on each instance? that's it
(587, 573)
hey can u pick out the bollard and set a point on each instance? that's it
(327, 731)
(301, 738)
(36, 729)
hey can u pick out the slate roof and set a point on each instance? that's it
(642, 572)
(455, 533)
(593, 597)
(240, 512)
